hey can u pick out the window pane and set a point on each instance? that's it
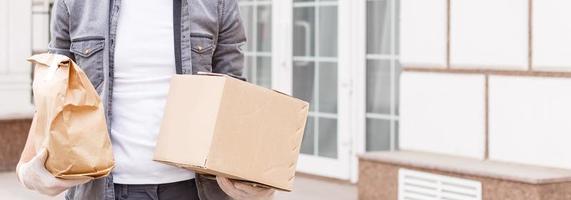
(328, 31)
(397, 27)
(397, 72)
(307, 144)
(303, 82)
(378, 86)
(247, 15)
(328, 87)
(378, 135)
(264, 32)
(382, 74)
(248, 69)
(396, 124)
(264, 72)
(303, 31)
(327, 144)
(378, 27)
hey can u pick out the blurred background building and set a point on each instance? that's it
(410, 99)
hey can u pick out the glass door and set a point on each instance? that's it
(315, 79)
(303, 62)
(342, 57)
(257, 20)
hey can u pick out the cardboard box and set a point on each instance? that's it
(219, 125)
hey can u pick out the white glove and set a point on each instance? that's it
(34, 176)
(243, 191)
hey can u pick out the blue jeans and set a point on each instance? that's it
(183, 190)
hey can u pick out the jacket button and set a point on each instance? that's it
(200, 48)
(87, 51)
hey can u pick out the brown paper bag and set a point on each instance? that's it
(69, 120)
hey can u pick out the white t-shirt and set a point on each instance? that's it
(144, 65)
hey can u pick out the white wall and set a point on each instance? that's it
(442, 113)
(489, 34)
(551, 35)
(423, 33)
(530, 120)
(15, 47)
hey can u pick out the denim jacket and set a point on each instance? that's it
(208, 37)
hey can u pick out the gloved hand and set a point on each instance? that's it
(34, 176)
(243, 191)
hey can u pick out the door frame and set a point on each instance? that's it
(351, 64)
(355, 14)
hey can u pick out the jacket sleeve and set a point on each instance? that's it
(59, 25)
(228, 57)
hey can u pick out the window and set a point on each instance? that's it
(315, 72)
(41, 15)
(257, 20)
(382, 75)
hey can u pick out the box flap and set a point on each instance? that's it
(223, 75)
(209, 74)
(292, 97)
(189, 120)
(231, 76)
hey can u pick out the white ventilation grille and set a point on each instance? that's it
(414, 185)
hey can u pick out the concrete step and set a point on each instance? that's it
(378, 175)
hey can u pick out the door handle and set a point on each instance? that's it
(307, 33)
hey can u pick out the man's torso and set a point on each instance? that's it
(92, 34)
(141, 77)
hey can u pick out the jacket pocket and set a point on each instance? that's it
(89, 56)
(202, 51)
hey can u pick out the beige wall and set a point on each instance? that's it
(487, 79)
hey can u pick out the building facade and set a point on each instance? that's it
(476, 79)
(483, 103)
(308, 49)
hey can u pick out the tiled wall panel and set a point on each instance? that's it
(530, 120)
(423, 33)
(551, 35)
(489, 34)
(442, 113)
